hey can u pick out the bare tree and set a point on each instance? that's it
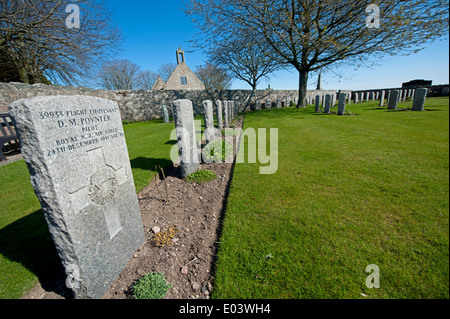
(146, 79)
(244, 60)
(166, 70)
(313, 34)
(119, 75)
(44, 39)
(214, 77)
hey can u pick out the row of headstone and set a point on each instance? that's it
(380, 95)
(328, 102)
(227, 107)
(418, 96)
(393, 97)
(75, 150)
(279, 103)
(189, 151)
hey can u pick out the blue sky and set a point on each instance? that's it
(153, 31)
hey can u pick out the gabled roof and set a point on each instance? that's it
(182, 78)
(159, 84)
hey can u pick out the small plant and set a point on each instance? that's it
(151, 286)
(165, 184)
(229, 132)
(201, 176)
(217, 151)
(164, 238)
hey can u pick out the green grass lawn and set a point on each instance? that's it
(26, 249)
(350, 191)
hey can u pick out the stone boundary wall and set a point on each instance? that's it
(143, 105)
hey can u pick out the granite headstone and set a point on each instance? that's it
(187, 142)
(341, 104)
(393, 100)
(219, 115)
(209, 121)
(317, 105)
(165, 114)
(327, 103)
(419, 99)
(75, 150)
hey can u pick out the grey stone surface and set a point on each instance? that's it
(230, 111)
(219, 115)
(382, 98)
(393, 100)
(75, 150)
(327, 103)
(187, 143)
(419, 99)
(225, 114)
(341, 104)
(165, 114)
(278, 105)
(317, 105)
(209, 120)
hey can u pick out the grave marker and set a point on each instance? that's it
(419, 99)
(165, 114)
(382, 98)
(341, 104)
(219, 115)
(209, 121)
(75, 150)
(393, 100)
(187, 142)
(327, 103)
(317, 106)
(225, 114)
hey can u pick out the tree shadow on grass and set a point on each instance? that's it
(27, 241)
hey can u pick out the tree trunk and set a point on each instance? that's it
(302, 88)
(23, 73)
(249, 100)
